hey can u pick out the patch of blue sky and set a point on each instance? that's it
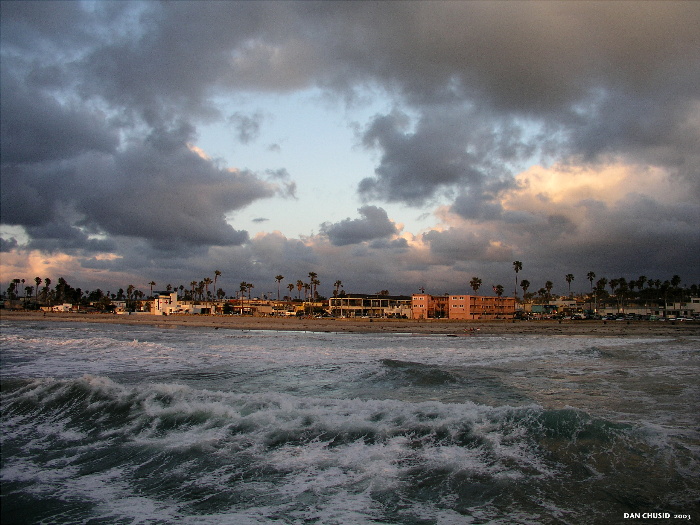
(317, 141)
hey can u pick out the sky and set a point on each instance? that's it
(390, 145)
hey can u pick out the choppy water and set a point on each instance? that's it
(118, 424)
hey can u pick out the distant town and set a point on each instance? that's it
(641, 298)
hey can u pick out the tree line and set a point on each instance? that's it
(42, 294)
(602, 290)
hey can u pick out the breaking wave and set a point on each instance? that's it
(167, 452)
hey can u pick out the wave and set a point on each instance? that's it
(178, 454)
(419, 373)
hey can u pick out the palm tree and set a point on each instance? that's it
(61, 288)
(475, 283)
(313, 281)
(499, 304)
(590, 276)
(675, 283)
(14, 293)
(28, 290)
(338, 285)
(569, 277)
(548, 286)
(138, 294)
(300, 286)
(249, 286)
(614, 284)
(37, 280)
(524, 284)
(641, 281)
(152, 284)
(664, 289)
(206, 282)
(217, 274)
(129, 292)
(290, 287)
(622, 288)
(599, 287)
(517, 266)
(47, 282)
(278, 278)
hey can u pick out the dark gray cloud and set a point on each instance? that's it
(373, 224)
(447, 150)
(594, 74)
(478, 206)
(36, 127)
(58, 236)
(637, 235)
(7, 245)
(99, 103)
(84, 159)
(457, 244)
(400, 244)
(158, 190)
(36, 26)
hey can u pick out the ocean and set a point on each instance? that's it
(115, 424)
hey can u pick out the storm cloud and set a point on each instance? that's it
(104, 107)
(373, 224)
(158, 190)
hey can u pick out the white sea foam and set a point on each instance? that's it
(184, 426)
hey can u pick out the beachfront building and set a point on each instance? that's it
(672, 310)
(466, 307)
(365, 305)
(262, 307)
(165, 303)
(426, 306)
(118, 307)
(65, 307)
(540, 311)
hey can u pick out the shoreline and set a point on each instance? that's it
(449, 327)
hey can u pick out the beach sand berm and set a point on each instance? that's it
(429, 326)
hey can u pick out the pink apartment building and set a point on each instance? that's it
(471, 307)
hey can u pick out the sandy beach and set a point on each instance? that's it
(442, 326)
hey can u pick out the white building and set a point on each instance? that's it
(65, 307)
(165, 303)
